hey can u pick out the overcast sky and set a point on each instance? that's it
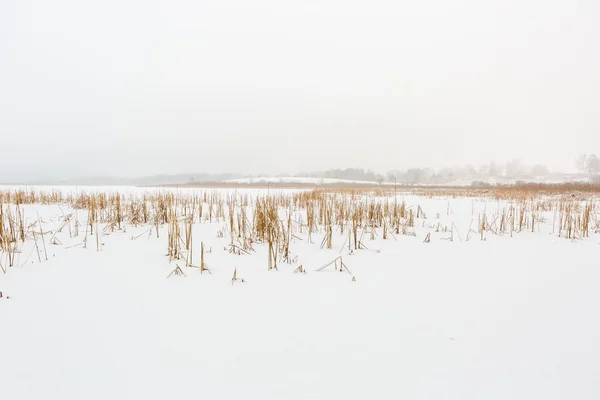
(140, 87)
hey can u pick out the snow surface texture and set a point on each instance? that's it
(502, 318)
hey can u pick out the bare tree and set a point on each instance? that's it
(539, 170)
(592, 164)
(514, 168)
(581, 162)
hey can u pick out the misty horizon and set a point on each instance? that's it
(133, 88)
(511, 171)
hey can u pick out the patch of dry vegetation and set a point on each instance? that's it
(277, 220)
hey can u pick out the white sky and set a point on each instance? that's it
(139, 87)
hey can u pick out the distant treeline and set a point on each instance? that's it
(588, 164)
(512, 169)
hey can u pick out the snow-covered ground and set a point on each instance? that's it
(500, 318)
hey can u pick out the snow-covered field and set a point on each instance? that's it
(497, 316)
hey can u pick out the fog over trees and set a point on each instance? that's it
(588, 167)
(512, 169)
(588, 163)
